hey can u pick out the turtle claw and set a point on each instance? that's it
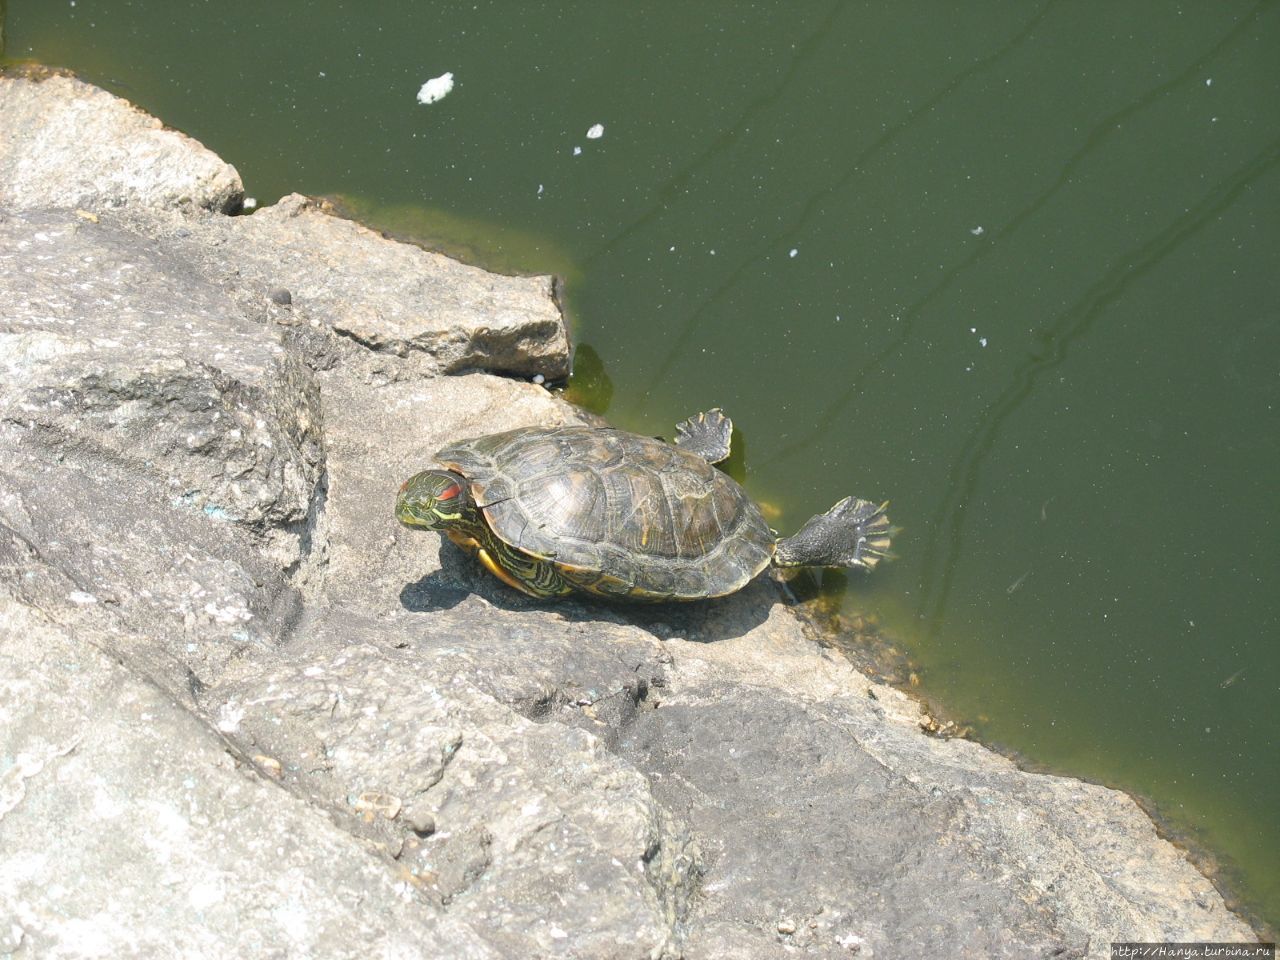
(706, 435)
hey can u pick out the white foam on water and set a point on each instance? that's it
(436, 89)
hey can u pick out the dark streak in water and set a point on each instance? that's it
(1076, 322)
(1100, 132)
(778, 91)
(814, 204)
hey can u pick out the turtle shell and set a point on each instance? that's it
(615, 512)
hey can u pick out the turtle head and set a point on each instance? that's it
(434, 499)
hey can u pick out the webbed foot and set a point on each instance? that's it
(853, 533)
(706, 435)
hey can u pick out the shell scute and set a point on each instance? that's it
(633, 514)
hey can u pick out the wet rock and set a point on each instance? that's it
(252, 716)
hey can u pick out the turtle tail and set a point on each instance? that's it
(853, 533)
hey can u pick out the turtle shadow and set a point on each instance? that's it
(699, 621)
(434, 592)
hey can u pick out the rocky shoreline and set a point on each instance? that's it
(243, 714)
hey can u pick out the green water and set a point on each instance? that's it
(1034, 299)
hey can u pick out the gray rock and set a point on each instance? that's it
(398, 298)
(67, 144)
(130, 828)
(246, 714)
(115, 346)
(538, 826)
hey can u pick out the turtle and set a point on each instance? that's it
(599, 510)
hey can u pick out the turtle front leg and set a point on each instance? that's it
(706, 435)
(529, 575)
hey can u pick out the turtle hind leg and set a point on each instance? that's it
(853, 533)
(706, 435)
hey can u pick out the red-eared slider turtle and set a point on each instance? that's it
(620, 515)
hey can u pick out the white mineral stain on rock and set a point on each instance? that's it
(27, 349)
(436, 89)
(229, 717)
(204, 895)
(105, 805)
(230, 613)
(168, 829)
(293, 920)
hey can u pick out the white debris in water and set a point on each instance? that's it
(596, 131)
(973, 329)
(577, 151)
(794, 253)
(982, 340)
(539, 379)
(250, 202)
(435, 89)
(1208, 82)
(539, 189)
(978, 231)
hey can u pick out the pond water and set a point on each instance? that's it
(1015, 267)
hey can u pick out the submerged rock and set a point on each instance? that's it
(245, 715)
